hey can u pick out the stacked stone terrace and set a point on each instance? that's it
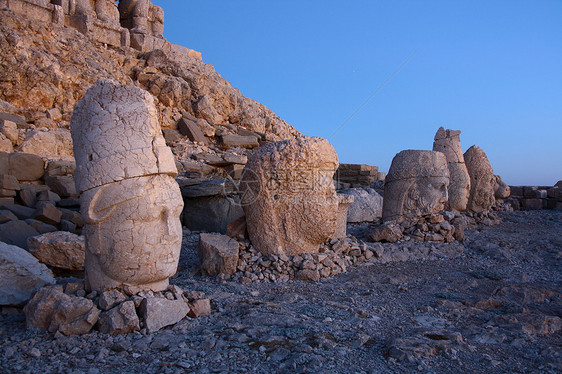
(357, 175)
(133, 23)
(536, 197)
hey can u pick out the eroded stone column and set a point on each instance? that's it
(416, 185)
(448, 142)
(289, 197)
(129, 199)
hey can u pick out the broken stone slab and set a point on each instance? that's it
(56, 142)
(387, 232)
(49, 214)
(63, 186)
(5, 144)
(211, 187)
(366, 205)
(158, 312)
(232, 140)
(16, 233)
(9, 182)
(218, 254)
(341, 223)
(17, 119)
(28, 196)
(41, 227)
(199, 308)
(23, 166)
(7, 193)
(110, 298)
(21, 275)
(121, 319)
(7, 216)
(53, 310)
(237, 229)
(10, 130)
(48, 195)
(192, 131)
(59, 168)
(60, 249)
(19, 211)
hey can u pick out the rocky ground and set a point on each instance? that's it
(490, 305)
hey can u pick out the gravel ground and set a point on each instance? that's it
(490, 305)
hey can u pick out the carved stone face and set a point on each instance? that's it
(133, 233)
(426, 196)
(289, 196)
(482, 180)
(416, 185)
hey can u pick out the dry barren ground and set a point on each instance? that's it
(492, 304)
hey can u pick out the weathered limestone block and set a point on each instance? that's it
(341, 223)
(121, 319)
(218, 254)
(59, 249)
(448, 142)
(5, 144)
(110, 298)
(21, 275)
(129, 198)
(482, 180)
(416, 185)
(23, 166)
(52, 310)
(289, 197)
(158, 312)
(366, 206)
(501, 189)
(10, 130)
(47, 143)
(16, 233)
(48, 213)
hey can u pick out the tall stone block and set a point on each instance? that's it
(482, 180)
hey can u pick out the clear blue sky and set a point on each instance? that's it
(492, 69)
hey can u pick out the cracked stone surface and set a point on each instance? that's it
(288, 195)
(130, 201)
(416, 185)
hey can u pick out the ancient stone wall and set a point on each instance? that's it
(536, 197)
(357, 175)
(136, 23)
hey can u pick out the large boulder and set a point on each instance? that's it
(59, 249)
(366, 205)
(218, 254)
(21, 275)
(53, 310)
(482, 180)
(288, 195)
(23, 166)
(416, 185)
(47, 143)
(448, 142)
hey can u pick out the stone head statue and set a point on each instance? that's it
(448, 142)
(482, 180)
(129, 198)
(288, 195)
(501, 190)
(416, 185)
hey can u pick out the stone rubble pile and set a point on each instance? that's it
(68, 309)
